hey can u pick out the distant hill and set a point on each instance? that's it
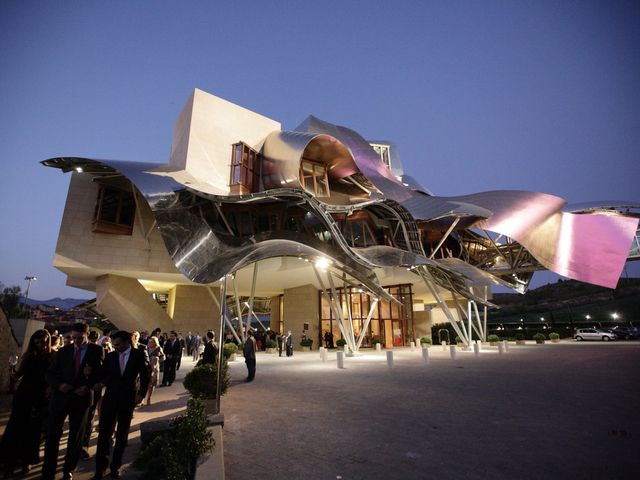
(63, 303)
(571, 300)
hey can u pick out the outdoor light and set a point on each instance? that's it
(26, 295)
(322, 263)
(79, 169)
(587, 316)
(615, 316)
(542, 319)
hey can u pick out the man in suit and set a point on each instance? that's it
(122, 370)
(210, 353)
(71, 378)
(172, 350)
(249, 353)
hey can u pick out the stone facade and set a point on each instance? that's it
(300, 307)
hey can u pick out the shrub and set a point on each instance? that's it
(376, 341)
(458, 340)
(519, 336)
(173, 455)
(341, 342)
(306, 342)
(493, 338)
(554, 336)
(425, 340)
(539, 336)
(271, 344)
(201, 381)
(229, 349)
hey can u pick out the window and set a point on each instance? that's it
(115, 211)
(245, 165)
(313, 177)
(384, 151)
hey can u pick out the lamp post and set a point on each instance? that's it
(26, 295)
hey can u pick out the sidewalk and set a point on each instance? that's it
(166, 402)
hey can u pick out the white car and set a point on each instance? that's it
(593, 334)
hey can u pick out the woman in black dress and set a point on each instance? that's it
(20, 444)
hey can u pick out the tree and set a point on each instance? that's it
(10, 299)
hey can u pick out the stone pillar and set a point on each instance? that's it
(300, 307)
(193, 309)
(128, 305)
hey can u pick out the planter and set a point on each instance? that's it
(305, 349)
(271, 350)
(555, 340)
(520, 342)
(493, 344)
(425, 345)
(209, 405)
(540, 342)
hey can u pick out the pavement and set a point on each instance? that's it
(553, 411)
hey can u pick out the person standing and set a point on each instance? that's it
(210, 353)
(280, 341)
(171, 351)
(20, 445)
(122, 370)
(71, 377)
(289, 343)
(156, 357)
(188, 340)
(195, 347)
(249, 352)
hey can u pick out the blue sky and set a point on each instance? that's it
(479, 96)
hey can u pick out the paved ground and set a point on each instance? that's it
(552, 411)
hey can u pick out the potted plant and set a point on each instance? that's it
(201, 383)
(519, 339)
(459, 342)
(306, 343)
(425, 342)
(175, 453)
(493, 340)
(229, 351)
(376, 341)
(341, 342)
(539, 338)
(271, 346)
(554, 337)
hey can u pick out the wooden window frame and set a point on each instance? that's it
(117, 227)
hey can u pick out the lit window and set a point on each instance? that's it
(115, 211)
(313, 177)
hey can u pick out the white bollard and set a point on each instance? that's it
(425, 354)
(321, 352)
(340, 359)
(390, 358)
(413, 346)
(452, 351)
(506, 346)
(500, 348)
(476, 348)
(378, 347)
(444, 346)
(325, 354)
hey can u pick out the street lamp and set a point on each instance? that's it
(28, 279)
(614, 316)
(588, 317)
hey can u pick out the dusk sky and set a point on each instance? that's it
(478, 95)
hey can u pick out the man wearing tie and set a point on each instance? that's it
(71, 378)
(172, 351)
(121, 371)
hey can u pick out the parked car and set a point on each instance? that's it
(627, 333)
(593, 334)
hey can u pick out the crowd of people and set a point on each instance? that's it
(73, 377)
(82, 375)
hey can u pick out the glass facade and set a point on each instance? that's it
(391, 322)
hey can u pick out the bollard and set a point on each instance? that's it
(390, 358)
(425, 354)
(444, 346)
(476, 348)
(378, 347)
(340, 359)
(321, 352)
(325, 354)
(452, 351)
(506, 346)
(500, 348)
(413, 346)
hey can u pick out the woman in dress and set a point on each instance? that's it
(20, 444)
(156, 357)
